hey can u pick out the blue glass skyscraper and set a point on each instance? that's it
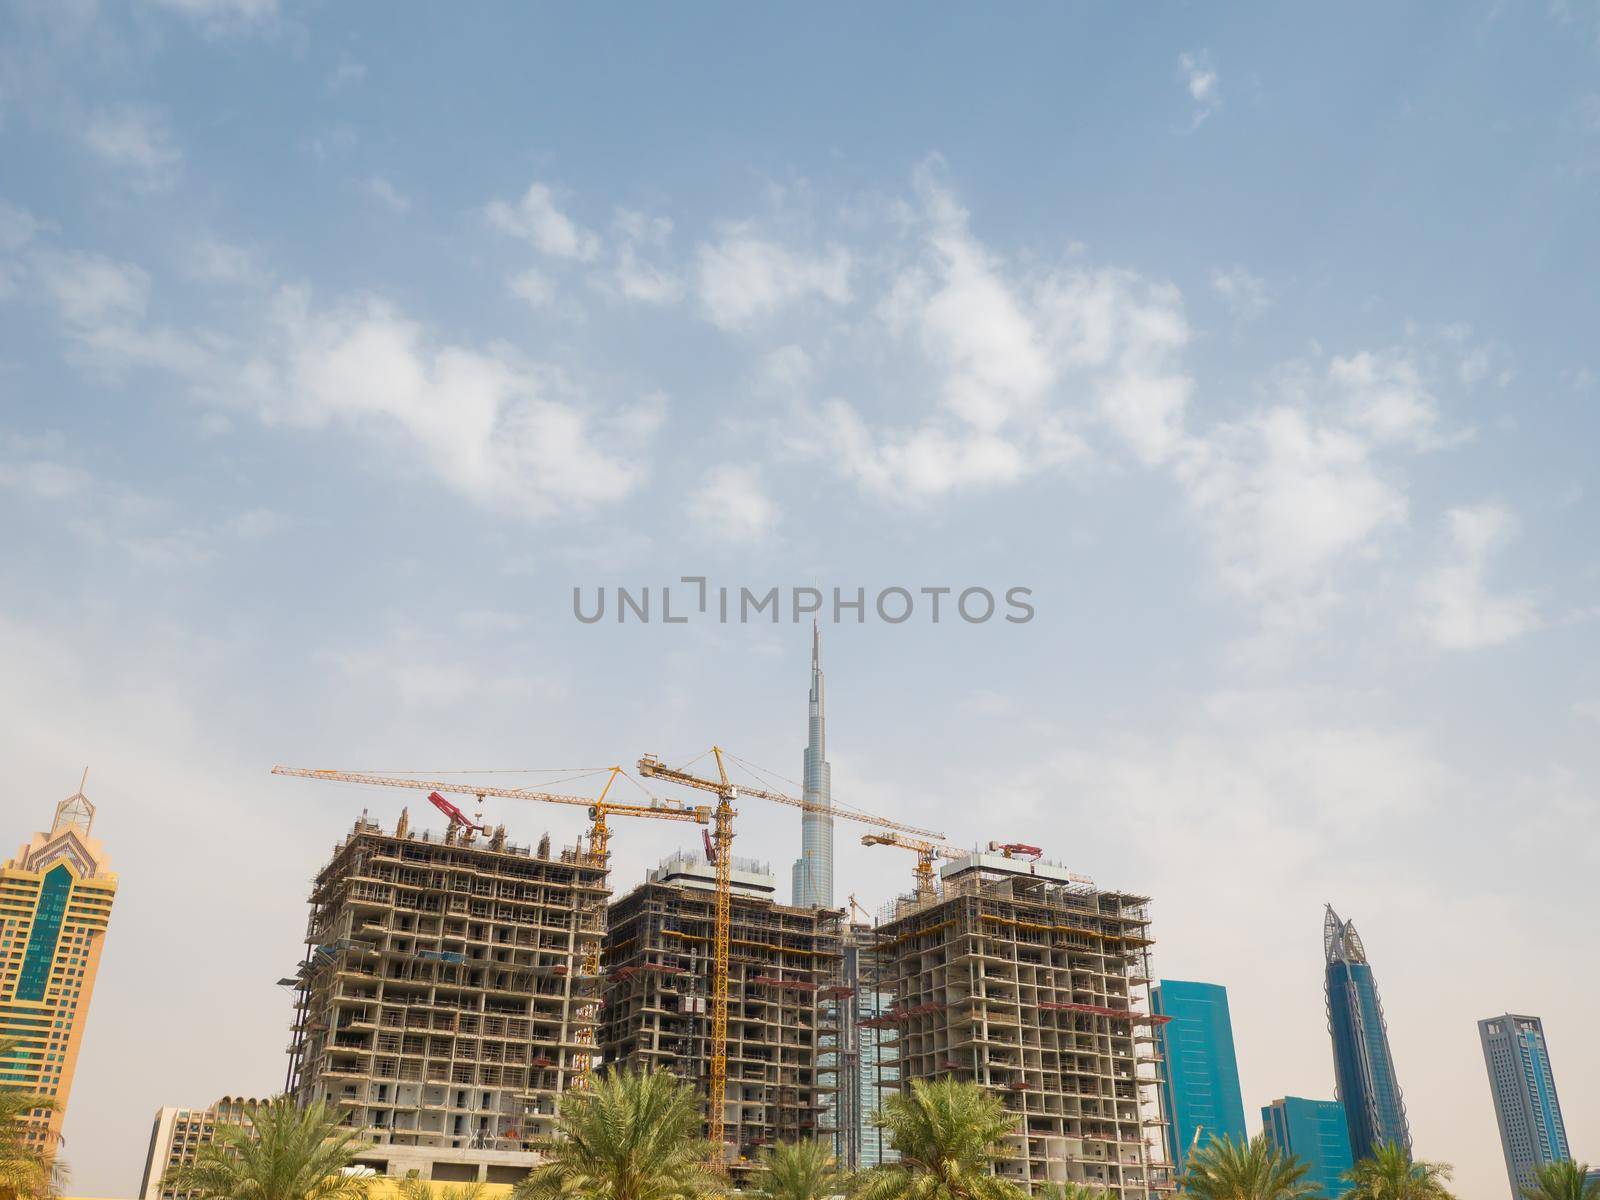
(1363, 1067)
(1201, 1100)
(812, 878)
(1316, 1132)
(1532, 1132)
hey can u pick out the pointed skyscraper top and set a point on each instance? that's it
(812, 877)
(1340, 941)
(75, 810)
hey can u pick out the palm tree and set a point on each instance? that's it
(1227, 1168)
(25, 1172)
(633, 1135)
(1392, 1174)
(284, 1153)
(1563, 1181)
(414, 1187)
(949, 1134)
(799, 1171)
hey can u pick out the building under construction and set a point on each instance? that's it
(1035, 984)
(783, 963)
(444, 1001)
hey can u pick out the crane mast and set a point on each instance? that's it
(927, 853)
(722, 934)
(726, 792)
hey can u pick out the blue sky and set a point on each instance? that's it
(337, 349)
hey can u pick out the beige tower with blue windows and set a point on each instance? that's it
(55, 903)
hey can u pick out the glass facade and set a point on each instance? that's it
(1201, 1100)
(1532, 1132)
(1316, 1132)
(54, 894)
(1363, 1066)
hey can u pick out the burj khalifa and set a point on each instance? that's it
(812, 878)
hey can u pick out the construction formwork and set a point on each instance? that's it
(442, 1000)
(1035, 985)
(782, 963)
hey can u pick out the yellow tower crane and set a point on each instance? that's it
(600, 808)
(927, 853)
(726, 792)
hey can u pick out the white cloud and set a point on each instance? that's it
(1024, 362)
(634, 277)
(389, 195)
(347, 72)
(213, 260)
(1245, 294)
(90, 288)
(43, 479)
(102, 305)
(136, 140)
(254, 524)
(1200, 79)
(504, 432)
(744, 277)
(1285, 500)
(536, 219)
(1457, 610)
(731, 505)
(786, 370)
(18, 227)
(533, 287)
(1589, 710)
(1384, 396)
(224, 16)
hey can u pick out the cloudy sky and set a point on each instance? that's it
(337, 348)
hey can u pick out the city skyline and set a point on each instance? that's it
(1257, 344)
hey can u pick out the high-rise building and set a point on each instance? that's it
(1316, 1132)
(858, 1055)
(783, 961)
(812, 877)
(1029, 981)
(55, 904)
(1363, 1066)
(448, 998)
(1202, 1099)
(176, 1138)
(1524, 1089)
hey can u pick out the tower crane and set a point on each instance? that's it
(600, 809)
(720, 844)
(926, 853)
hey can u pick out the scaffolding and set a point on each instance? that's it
(783, 963)
(442, 1000)
(1035, 985)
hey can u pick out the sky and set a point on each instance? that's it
(341, 345)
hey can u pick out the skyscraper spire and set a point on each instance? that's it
(1363, 1066)
(812, 878)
